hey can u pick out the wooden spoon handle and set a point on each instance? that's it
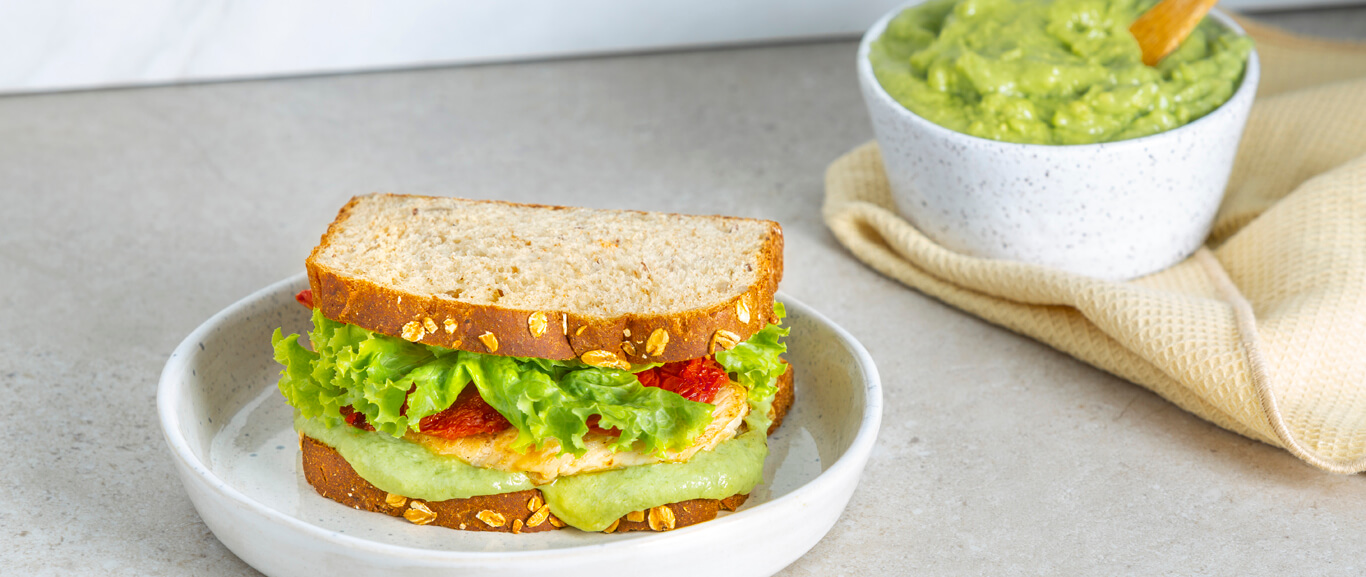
(1161, 29)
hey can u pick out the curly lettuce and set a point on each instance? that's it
(395, 383)
(755, 363)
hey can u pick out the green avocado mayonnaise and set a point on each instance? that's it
(592, 501)
(409, 469)
(589, 502)
(1050, 71)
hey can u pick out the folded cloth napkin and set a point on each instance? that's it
(1262, 331)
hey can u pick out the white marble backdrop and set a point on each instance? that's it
(72, 44)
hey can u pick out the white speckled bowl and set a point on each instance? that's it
(1114, 210)
(235, 448)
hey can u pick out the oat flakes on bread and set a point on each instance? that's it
(536, 355)
(544, 281)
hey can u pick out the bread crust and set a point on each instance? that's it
(567, 335)
(782, 400)
(329, 473)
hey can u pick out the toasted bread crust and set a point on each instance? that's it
(567, 334)
(329, 473)
(782, 401)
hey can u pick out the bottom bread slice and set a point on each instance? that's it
(518, 512)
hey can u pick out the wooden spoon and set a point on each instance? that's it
(1162, 28)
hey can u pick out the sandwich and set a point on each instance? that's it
(489, 366)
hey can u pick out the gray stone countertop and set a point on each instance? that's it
(131, 216)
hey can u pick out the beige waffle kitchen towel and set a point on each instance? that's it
(1262, 332)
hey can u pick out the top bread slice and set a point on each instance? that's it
(546, 281)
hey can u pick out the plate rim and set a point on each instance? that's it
(169, 393)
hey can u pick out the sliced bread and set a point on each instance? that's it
(608, 286)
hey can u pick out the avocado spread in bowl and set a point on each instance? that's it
(1051, 71)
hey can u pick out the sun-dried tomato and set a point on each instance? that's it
(592, 423)
(696, 380)
(468, 415)
(305, 297)
(355, 419)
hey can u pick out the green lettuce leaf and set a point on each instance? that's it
(542, 407)
(314, 399)
(544, 399)
(755, 363)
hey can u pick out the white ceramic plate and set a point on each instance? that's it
(238, 458)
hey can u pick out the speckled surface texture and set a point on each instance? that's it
(132, 216)
(1113, 210)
